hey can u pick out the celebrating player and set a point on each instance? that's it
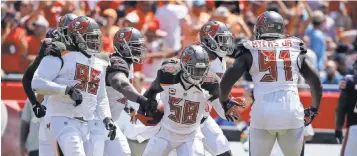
(274, 61)
(186, 87)
(75, 83)
(347, 105)
(53, 35)
(217, 41)
(129, 45)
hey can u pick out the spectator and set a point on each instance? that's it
(24, 8)
(329, 24)
(342, 20)
(131, 20)
(169, 16)
(157, 52)
(32, 43)
(109, 29)
(331, 75)
(29, 132)
(143, 10)
(138, 82)
(193, 22)
(11, 49)
(317, 38)
(340, 59)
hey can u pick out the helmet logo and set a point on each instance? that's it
(261, 20)
(81, 27)
(209, 29)
(121, 36)
(61, 21)
(187, 56)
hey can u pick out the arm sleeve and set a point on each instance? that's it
(47, 71)
(216, 104)
(341, 107)
(103, 109)
(29, 73)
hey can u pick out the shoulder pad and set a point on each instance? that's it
(169, 71)
(240, 48)
(171, 65)
(56, 48)
(118, 64)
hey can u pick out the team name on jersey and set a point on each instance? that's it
(266, 44)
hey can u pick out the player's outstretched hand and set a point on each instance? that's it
(110, 126)
(75, 95)
(231, 108)
(338, 136)
(310, 114)
(39, 110)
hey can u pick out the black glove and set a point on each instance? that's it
(156, 117)
(75, 95)
(128, 109)
(310, 114)
(147, 106)
(303, 48)
(231, 108)
(110, 126)
(338, 136)
(55, 49)
(39, 110)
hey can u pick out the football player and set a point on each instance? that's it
(274, 61)
(53, 35)
(186, 86)
(129, 45)
(217, 41)
(347, 106)
(75, 85)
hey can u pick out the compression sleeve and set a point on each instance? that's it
(47, 71)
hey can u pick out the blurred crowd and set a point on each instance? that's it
(329, 29)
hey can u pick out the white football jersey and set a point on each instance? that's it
(183, 109)
(275, 71)
(88, 76)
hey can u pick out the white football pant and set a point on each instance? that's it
(261, 141)
(351, 142)
(214, 140)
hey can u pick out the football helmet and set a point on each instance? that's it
(62, 26)
(52, 33)
(84, 34)
(270, 24)
(216, 37)
(194, 64)
(129, 43)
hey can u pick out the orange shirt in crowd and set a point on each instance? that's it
(189, 22)
(107, 44)
(12, 52)
(143, 18)
(109, 4)
(33, 45)
(51, 14)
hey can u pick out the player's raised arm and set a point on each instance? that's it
(242, 63)
(311, 76)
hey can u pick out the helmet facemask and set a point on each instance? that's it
(90, 40)
(195, 73)
(135, 49)
(221, 43)
(63, 34)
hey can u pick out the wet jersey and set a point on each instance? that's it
(183, 108)
(85, 74)
(117, 100)
(275, 71)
